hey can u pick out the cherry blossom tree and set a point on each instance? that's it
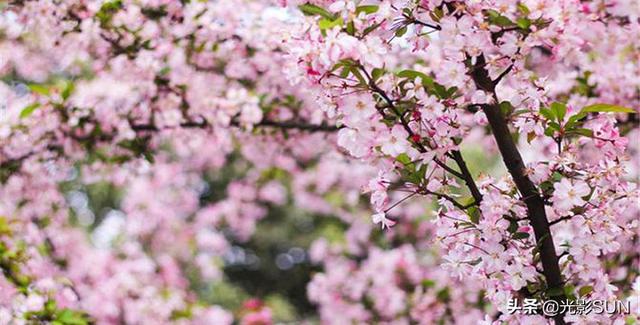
(318, 105)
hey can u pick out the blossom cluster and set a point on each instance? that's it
(313, 103)
(415, 82)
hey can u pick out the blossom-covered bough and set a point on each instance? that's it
(313, 100)
(412, 81)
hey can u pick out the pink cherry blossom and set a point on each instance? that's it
(395, 143)
(569, 194)
(493, 141)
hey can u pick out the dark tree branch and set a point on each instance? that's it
(16, 161)
(503, 74)
(422, 23)
(450, 199)
(467, 177)
(7, 165)
(560, 220)
(289, 125)
(530, 194)
(300, 126)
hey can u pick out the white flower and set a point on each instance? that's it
(381, 218)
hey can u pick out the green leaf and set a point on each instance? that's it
(412, 74)
(474, 214)
(154, 13)
(554, 126)
(71, 317)
(513, 226)
(421, 172)
(351, 28)
(546, 113)
(520, 235)
(401, 31)
(440, 91)
(325, 24)
(581, 131)
(107, 10)
(367, 9)
(554, 292)
(443, 295)
(39, 88)
(496, 18)
(503, 21)
(376, 74)
(585, 290)
(404, 159)
(371, 29)
(5, 229)
(356, 73)
(506, 107)
(111, 5)
(559, 110)
(492, 14)
(523, 9)
(427, 283)
(606, 108)
(29, 110)
(164, 71)
(50, 306)
(467, 200)
(181, 314)
(630, 320)
(149, 156)
(523, 23)
(451, 91)
(569, 289)
(436, 14)
(345, 71)
(67, 90)
(313, 10)
(574, 119)
(548, 132)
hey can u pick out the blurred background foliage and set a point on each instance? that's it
(273, 265)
